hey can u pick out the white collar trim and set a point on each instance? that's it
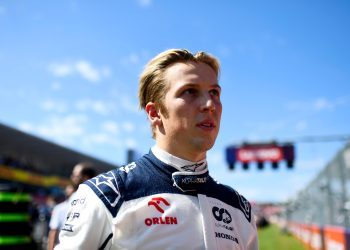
(178, 163)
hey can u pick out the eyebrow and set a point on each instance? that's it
(216, 85)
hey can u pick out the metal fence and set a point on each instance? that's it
(326, 200)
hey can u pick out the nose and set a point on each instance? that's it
(208, 104)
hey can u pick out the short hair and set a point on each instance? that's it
(87, 170)
(152, 85)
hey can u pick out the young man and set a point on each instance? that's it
(166, 199)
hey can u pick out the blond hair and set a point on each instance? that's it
(152, 84)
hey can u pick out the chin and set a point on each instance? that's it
(204, 145)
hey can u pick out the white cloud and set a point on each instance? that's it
(81, 67)
(55, 106)
(87, 71)
(130, 143)
(145, 3)
(110, 127)
(128, 126)
(101, 138)
(99, 107)
(318, 104)
(26, 126)
(62, 129)
(61, 70)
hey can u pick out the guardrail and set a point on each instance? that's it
(317, 237)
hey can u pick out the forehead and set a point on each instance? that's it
(190, 72)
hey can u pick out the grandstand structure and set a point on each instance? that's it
(29, 160)
(33, 173)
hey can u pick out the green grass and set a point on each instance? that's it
(272, 238)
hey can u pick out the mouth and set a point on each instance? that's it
(206, 125)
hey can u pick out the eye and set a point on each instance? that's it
(215, 92)
(190, 91)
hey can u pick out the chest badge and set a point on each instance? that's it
(160, 204)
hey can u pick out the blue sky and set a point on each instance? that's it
(69, 73)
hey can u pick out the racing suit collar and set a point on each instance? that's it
(188, 176)
(178, 163)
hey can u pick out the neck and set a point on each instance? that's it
(177, 151)
(178, 162)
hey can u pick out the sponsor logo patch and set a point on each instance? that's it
(161, 220)
(221, 214)
(226, 236)
(72, 215)
(224, 226)
(193, 167)
(128, 167)
(193, 180)
(78, 202)
(67, 227)
(160, 204)
(156, 201)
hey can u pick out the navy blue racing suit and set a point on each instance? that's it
(150, 204)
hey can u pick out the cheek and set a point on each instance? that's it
(179, 108)
(180, 120)
(219, 108)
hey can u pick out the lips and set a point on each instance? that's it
(206, 124)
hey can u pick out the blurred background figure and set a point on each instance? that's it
(58, 217)
(80, 173)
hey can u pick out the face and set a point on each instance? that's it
(76, 176)
(193, 106)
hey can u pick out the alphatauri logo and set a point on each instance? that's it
(160, 204)
(221, 214)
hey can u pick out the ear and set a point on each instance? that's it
(153, 114)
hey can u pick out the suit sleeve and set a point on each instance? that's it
(88, 222)
(54, 221)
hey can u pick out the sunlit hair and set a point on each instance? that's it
(86, 169)
(152, 85)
